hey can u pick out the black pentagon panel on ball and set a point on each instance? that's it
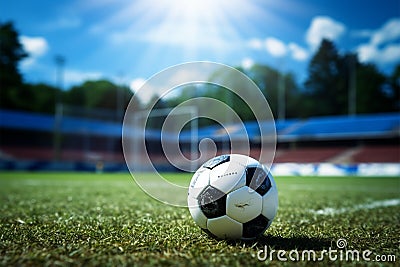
(257, 179)
(255, 227)
(264, 187)
(212, 163)
(212, 202)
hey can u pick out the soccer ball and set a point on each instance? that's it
(233, 197)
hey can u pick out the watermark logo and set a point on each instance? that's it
(156, 136)
(341, 243)
(339, 253)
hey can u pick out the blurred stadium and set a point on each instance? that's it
(351, 145)
(67, 197)
(60, 211)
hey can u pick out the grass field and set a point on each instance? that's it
(105, 219)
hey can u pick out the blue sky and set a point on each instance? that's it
(128, 41)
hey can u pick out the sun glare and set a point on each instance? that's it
(197, 29)
(196, 24)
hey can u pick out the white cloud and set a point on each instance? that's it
(247, 63)
(77, 76)
(366, 52)
(382, 47)
(298, 52)
(135, 84)
(371, 53)
(389, 32)
(146, 91)
(35, 47)
(323, 27)
(278, 48)
(255, 43)
(275, 47)
(390, 54)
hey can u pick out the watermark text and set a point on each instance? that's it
(340, 253)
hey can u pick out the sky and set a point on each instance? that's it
(129, 41)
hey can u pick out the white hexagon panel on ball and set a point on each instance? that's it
(225, 227)
(243, 204)
(228, 176)
(270, 203)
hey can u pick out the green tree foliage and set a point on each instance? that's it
(325, 86)
(329, 84)
(42, 97)
(231, 100)
(370, 94)
(11, 53)
(267, 80)
(393, 89)
(334, 80)
(101, 94)
(270, 81)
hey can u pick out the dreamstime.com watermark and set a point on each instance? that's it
(340, 253)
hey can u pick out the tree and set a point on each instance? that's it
(341, 84)
(326, 85)
(11, 53)
(42, 97)
(101, 94)
(293, 97)
(371, 97)
(268, 79)
(393, 89)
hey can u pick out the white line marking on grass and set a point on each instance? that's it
(367, 206)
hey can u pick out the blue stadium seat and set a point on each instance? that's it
(348, 127)
(334, 127)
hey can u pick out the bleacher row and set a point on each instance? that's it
(364, 154)
(318, 128)
(377, 126)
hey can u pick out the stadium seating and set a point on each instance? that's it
(313, 131)
(316, 128)
(340, 127)
(307, 155)
(379, 154)
(69, 125)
